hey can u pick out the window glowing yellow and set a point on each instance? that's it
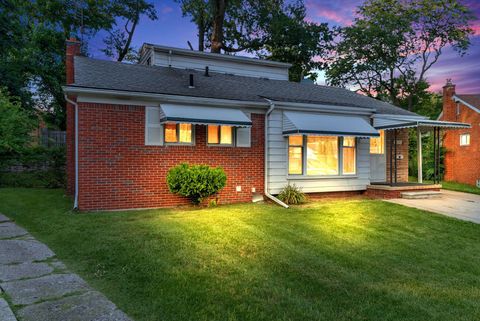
(170, 133)
(226, 136)
(213, 134)
(349, 161)
(295, 155)
(322, 155)
(377, 144)
(185, 133)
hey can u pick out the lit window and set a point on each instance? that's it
(464, 139)
(295, 155)
(349, 161)
(322, 155)
(377, 144)
(178, 133)
(222, 135)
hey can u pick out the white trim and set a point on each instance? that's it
(458, 99)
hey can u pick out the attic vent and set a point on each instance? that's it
(191, 84)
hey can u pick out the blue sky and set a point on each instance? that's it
(172, 29)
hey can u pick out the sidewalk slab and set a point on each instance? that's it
(47, 287)
(9, 230)
(6, 313)
(19, 251)
(91, 306)
(23, 271)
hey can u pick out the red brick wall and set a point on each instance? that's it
(118, 171)
(462, 163)
(402, 149)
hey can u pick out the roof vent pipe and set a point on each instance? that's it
(190, 84)
(207, 74)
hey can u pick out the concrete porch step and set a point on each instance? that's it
(421, 195)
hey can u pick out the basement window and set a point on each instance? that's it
(465, 140)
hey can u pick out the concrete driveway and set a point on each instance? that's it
(463, 206)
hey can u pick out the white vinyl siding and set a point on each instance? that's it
(278, 165)
(153, 128)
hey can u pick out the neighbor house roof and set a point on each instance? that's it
(472, 101)
(101, 74)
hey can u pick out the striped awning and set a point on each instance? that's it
(203, 115)
(397, 122)
(329, 125)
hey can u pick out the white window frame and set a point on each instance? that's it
(340, 160)
(467, 142)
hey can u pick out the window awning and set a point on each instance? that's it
(408, 122)
(331, 125)
(203, 115)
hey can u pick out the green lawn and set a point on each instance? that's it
(330, 260)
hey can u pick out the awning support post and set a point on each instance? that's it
(419, 156)
(395, 138)
(391, 158)
(434, 155)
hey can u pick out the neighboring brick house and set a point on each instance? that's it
(462, 158)
(128, 124)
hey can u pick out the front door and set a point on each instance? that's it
(378, 160)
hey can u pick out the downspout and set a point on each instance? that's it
(265, 184)
(75, 202)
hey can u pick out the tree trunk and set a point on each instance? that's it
(201, 32)
(217, 28)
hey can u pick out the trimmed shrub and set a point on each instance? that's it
(291, 194)
(196, 182)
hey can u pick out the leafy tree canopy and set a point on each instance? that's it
(270, 29)
(392, 44)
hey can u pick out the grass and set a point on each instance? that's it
(329, 260)
(453, 186)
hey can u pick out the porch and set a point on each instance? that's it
(392, 187)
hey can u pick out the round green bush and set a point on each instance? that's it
(196, 182)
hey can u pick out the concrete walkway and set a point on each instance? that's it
(35, 286)
(464, 206)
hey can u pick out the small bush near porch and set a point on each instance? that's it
(329, 260)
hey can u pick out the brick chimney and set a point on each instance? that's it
(73, 49)
(449, 106)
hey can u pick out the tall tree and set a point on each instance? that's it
(119, 40)
(392, 44)
(270, 29)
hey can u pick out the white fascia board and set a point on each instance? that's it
(126, 96)
(399, 117)
(458, 99)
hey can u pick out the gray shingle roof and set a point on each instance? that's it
(473, 99)
(103, 74)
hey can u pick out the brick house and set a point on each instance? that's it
(462, 158)
(128, 124)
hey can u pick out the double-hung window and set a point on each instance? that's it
(321, 155)
(464, 139)
(220, 135)
(178, 133)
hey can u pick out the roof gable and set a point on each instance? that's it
(471, 101)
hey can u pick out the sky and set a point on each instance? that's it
(172, 29)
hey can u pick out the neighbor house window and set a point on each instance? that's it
(322, 155)
(178, 133)
(464, 139)
(377, 144)
(295, 155)
(349, 159)
(220, 135)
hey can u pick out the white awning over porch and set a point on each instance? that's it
(398, 122)
(203, 115)
(320, 124)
